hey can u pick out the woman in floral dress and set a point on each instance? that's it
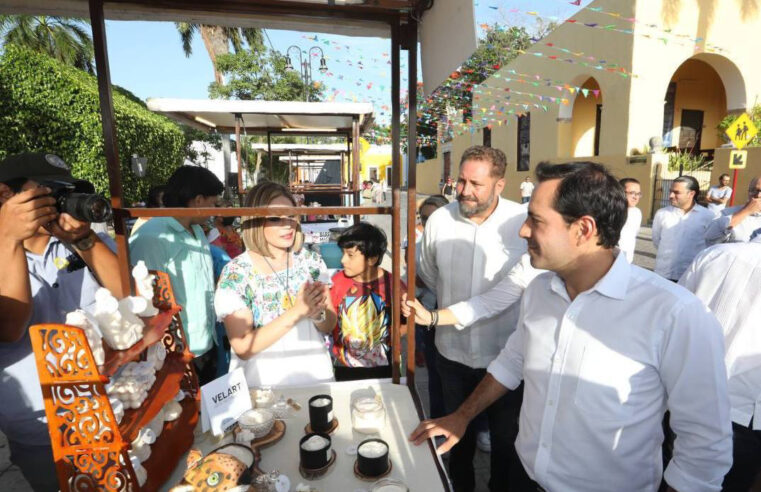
(270, 301)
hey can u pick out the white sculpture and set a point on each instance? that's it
(119, 332)
(144, 285)
(80, 319)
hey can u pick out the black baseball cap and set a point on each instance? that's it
(40, 166)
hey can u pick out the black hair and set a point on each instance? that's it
(691, 184)
(588, 188)
(724, 175)
(368, 239)
(625, 181)
(434, 200)
(16, 184)
(153, 200)
(188, 182)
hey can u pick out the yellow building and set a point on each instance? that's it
(375, 162)
(613, 77)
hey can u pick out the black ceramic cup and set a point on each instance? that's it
(320, 417)
(314, 459)
(372, 464)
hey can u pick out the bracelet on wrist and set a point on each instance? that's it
(434, 319)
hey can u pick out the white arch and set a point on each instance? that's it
(566, 112)
(730, 75)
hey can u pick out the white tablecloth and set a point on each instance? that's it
(413, 465)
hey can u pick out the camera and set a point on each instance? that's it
(85, 207)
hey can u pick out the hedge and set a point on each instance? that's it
(46, 106)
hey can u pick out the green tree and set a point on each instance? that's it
(217, 40)
(63, 38)
(261, 75)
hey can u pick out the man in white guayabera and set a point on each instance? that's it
(604, 348)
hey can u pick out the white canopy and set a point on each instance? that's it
(263, 116)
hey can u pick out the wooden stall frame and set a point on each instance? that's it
(403, 36)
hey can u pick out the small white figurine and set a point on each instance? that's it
(144, 285)
(80, 319)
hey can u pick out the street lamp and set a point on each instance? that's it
(305, 66)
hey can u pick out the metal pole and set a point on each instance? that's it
(396, 227)
(110, 141)
(269, 153)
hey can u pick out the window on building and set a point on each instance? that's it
(524, 141)
(487, 137)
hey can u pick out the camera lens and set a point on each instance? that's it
(86, 207)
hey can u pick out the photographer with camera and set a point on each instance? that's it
(52, 258)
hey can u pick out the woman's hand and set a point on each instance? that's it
(422, 315)
(310, 300)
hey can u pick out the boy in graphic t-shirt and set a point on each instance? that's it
(361, 296)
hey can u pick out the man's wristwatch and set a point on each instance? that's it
(85, 243)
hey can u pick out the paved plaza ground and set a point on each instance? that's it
(11, 479)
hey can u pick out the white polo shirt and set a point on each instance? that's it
(679, 237)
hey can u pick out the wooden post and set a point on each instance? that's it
(239, 155)
(110, 141)
(396, 226)
(355, 163)
(411, 190)
(269, 154)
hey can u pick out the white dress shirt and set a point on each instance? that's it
(628, 240)
(718, 230)
(500, 297)
(679, 237)
(599, 373)
(727, 278)
(460, 259)
(716, 192)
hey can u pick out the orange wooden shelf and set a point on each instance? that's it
(165, 388)
(154, 331)
(175, 439)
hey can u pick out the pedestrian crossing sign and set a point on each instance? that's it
(738, 159)
(742, 131)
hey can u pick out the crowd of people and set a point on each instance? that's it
(586, 372)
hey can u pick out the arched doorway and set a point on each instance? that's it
(701, 92)
(586, 120)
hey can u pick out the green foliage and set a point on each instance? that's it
(755, 116)
(50, 107)
(686, 161)
(64, 38)
(260, 75)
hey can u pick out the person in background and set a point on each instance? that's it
(604, 348)
(727, 278)
(679, 229)
(467, 248)
(360, 341)
(224, 235)
(741, 223)
(270, 301)
(527, 188)
(718, 196)
(628, 240)
(425, 339)
(154, 200)
(449, 189)
(178, 246)
(58, 263)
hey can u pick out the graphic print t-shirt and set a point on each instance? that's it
(362, 334)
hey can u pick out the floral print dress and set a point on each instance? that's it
(300, 357)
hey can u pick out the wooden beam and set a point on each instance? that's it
(396, 203)
(110, 140)
(411, 35)
(239, 157)
(355, 165)
(248, 211)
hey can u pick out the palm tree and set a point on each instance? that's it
(218, 39)
(63, 38)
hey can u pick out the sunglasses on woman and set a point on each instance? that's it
(280, 220)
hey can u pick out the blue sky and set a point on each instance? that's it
(147, 58)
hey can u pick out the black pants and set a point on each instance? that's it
(206, 366)
(458, 382)
(356, 373)
(746, 459)
(435, 393)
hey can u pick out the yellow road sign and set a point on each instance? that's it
(742, 131)
(738, 159)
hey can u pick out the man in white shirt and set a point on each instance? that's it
(679, 229)
(718, 196)
(628, 240)
(740, 223)
(467, 248)
(527, 188)
(604, 348)
(727, 278)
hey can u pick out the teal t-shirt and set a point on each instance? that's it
(164, 244)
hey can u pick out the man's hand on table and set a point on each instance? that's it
(452, 427)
